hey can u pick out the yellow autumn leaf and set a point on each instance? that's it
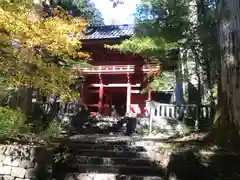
(36, 48)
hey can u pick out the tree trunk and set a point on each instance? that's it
(25, 104)
(229, 39)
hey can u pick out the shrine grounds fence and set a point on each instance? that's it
(199, 117)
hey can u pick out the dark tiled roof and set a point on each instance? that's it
(108, 32)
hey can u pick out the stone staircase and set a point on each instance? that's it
(117, 158)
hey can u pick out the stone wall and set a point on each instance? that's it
(18, 162)
(162, 127)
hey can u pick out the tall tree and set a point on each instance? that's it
(229, 40)
(206, 47)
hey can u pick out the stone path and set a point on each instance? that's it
(118, 157)
(102, 152)
(105, 157)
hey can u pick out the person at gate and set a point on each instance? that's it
(113, 111)
(123, 110)
(131, 125)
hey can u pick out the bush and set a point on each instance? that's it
(53, 130)
(11, 122)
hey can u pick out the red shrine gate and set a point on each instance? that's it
(114, 78)
(104, 87)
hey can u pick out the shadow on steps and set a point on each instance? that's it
(89, 159)
(111, 160)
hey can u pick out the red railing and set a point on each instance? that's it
(112, 69)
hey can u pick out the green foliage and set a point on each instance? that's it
(63, 156)
(53, 130)
(145, 46)
(85, 9)
(165, 81)
(163, 19)
(11, 122)
(160, 27)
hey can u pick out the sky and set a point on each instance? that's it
(120, 14)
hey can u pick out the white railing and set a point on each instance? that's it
(106, 69)
(179, 112)
(115, 68)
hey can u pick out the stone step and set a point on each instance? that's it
(105, 176)
(100, 142)
(104, 153)
(106, 147)
(116, 161)
(91, 130)
(127, 170)
(104, 139)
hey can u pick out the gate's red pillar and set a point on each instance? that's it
(149, 94)
(100, 99)
(128, 104)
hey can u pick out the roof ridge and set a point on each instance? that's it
(109, 31)
(118, 25)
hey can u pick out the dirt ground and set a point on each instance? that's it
(196, 157)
